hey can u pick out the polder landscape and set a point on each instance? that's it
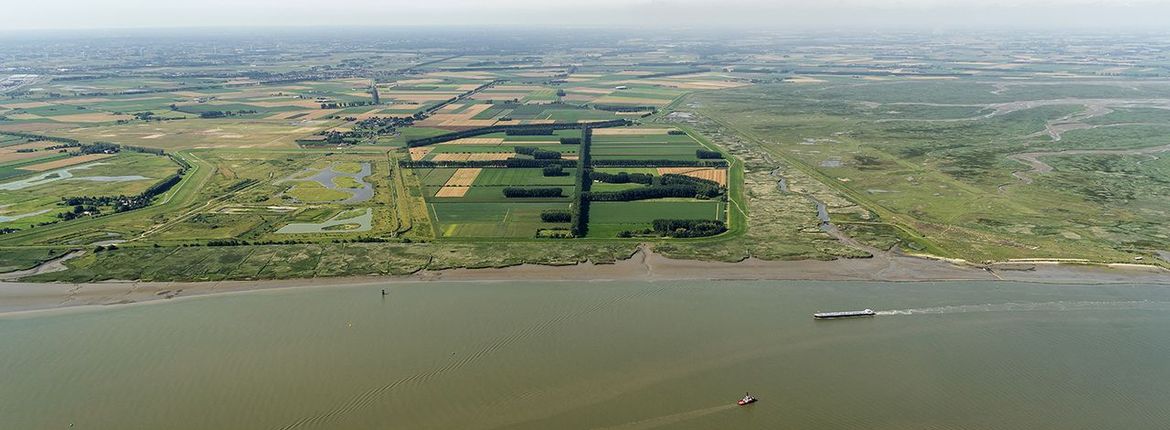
(459, 228)
(308, 161)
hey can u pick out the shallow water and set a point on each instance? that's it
(619, 355)
(365, 222)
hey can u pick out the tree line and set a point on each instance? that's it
(511, 162)
(544, 192)
(668, 185)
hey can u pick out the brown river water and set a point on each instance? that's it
(600, 355)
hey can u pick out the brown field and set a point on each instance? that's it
(474, 156)
(418, 153)
(463, 177)
(462, 75)
(26, 105)
(451, 192)
(419, 81)
(320, 113)
(708, 173)
(458, 184)
(695, 85)
(64, 162)
(416, 97)
(630, 131)
(89, 117)
(578, 98)
(632, 100)
(31, 145)
(498, 96)
(803, 80)
(191, 94)
(516, 88)
(461, 119)
(587, 90)
(6, 156)
(308, 104)
(476, 141)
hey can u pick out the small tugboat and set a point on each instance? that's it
(844, 314)
(746, 400)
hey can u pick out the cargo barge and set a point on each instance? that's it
(844, 314)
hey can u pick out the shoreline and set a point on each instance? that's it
(644, 265)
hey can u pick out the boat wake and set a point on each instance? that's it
(670, 419)
(1035, 307)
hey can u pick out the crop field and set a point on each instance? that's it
(457, 189)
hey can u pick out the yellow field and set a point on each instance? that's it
(420, 152)
(6, 156)
(64, 162)
(475, 156)
(476, 141)
(458, 184)
(708, 173)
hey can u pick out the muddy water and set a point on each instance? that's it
(586, 355)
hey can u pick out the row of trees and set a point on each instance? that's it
(580, 217)
(511, 162)
(555, 170)
(537, 153)
(520, 192)
(556, 216)
(622, 178)
(530, 131)
(669, 185)
(689, 227)
(706, 154)
(659, 163)
(224, 113)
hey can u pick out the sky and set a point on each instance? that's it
(754, 14)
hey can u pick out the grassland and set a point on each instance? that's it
(953, 182)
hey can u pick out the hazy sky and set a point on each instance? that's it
(774, 14)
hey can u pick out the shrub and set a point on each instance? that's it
(689, 227)
(708, 155)
(556, 216)
(554, 170)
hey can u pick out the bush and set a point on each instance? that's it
(708, 155)
(554, 170)
(517, 192)
(689, 227)
(622, 178)
(542, 131)
(556, 216)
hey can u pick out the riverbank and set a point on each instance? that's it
(643, 265)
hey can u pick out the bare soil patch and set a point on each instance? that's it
(65, 162)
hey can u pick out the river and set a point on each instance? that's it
(589, 355)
